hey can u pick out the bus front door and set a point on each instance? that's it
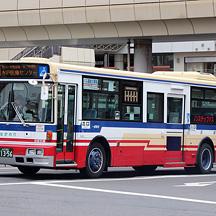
(175, 131)
(65, 125)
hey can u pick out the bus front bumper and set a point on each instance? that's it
(20, 160)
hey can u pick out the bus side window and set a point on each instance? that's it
(203, 106)
(155, 107)
(131, 101)
(90, 113)
(100, 104)
(174, 110)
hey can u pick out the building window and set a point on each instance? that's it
(162, 59)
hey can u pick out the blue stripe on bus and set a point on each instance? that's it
(96, 126)
(206, 127)
(135, 78)
(20, 127)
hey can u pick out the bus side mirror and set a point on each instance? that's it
(44, 92)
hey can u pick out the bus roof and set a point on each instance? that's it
(180, 77)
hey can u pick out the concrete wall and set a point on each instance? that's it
(9, 53)
(190, 46)
(69, 55)
(76, 56)
(30, 20)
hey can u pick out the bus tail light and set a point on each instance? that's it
(49, 136)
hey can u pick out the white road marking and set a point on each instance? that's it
(196, 184)
(15, 183)
(127, 193)
(129, 179)
(53, 183)
(113, 179)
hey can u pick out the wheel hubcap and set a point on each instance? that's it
(95, 160)
(206, 159)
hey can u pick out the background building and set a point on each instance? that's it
(174, 56)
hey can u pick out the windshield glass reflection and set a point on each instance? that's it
(22, 102)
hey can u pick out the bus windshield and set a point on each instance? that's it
(22, 102)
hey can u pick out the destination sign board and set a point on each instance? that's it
(23, 70)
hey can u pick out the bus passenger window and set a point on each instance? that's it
(100, 103)
(155, 107)
(131, 113)
(203, 106)
(131, 101)
(174, 110)
(90, 113)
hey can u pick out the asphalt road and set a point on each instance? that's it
(121, 191)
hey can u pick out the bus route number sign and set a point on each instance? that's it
(6, 152)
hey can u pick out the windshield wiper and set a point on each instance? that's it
(18, 114)
(4, 106)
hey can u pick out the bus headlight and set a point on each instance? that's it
(35, 152)
(39, 151)
(31, 151)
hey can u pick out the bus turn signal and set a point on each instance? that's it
(49, 136)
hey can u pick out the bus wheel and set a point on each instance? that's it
(95, 161)
(205, 159)
(28, 170)
(145, 169)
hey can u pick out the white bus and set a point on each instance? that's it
(64, 116)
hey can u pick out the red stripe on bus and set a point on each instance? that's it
(26, 140)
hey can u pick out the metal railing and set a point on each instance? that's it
(24, 53)
(107, 47)
(38, 51)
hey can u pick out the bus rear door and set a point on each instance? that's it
(175, 130)
(65, 153)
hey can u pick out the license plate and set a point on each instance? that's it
(6, 152)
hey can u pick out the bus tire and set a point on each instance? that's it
(205, 159)
(95, 161)
(28, 170)
(147, 169)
